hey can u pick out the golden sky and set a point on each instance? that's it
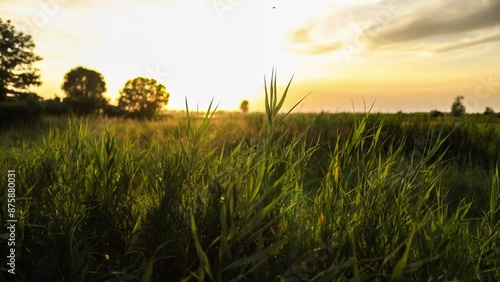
(396, 54)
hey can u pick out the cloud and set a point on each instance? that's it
(467, 43)
(301, 35)
(314, 37)
(393, 22)
(337, 26)
(452, 17)
(302, 43)
(87, 4)
(309, 49)
(322, 49)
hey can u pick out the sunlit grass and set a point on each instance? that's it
(258, 198)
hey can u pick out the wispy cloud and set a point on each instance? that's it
(301, 35)
(449, 21)
(467, 43)
(451, 17)
(318, 49)
(303, 43)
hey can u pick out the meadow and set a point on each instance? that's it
(255, 197)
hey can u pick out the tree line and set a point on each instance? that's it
(140, 98)
(84, 88)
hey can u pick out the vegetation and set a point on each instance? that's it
(17, 72)
(458, 108)
(55, 107)
(254, 197)
(489, 111)
(244, 106)
(84, 89)
(143, 97)
(309, 197)
(26, 108)
(436, 113)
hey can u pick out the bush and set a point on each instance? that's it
(26, 108)
(114, 111)
(55, 107)
(81, 105)
(436, 113)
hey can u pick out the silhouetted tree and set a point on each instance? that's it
(16, 61)
(143, 97)
(244, 106)
(84, 89)
(489, 111)
(458, 108)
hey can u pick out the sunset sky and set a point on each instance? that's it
(397, 55)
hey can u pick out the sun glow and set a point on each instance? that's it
(221, 50)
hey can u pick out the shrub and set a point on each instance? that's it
(114, 111)
(55, 107)
(26, 108)
(81, 105)
(436, 113)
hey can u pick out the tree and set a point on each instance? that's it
(244, 106)
(84, 89)
(458, 108)
(143, 97)
(489, 111)
(17, 72)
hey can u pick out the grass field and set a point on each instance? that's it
(255, 197)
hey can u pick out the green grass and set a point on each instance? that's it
(295, 197)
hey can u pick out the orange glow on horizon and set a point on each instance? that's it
(342, 51)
